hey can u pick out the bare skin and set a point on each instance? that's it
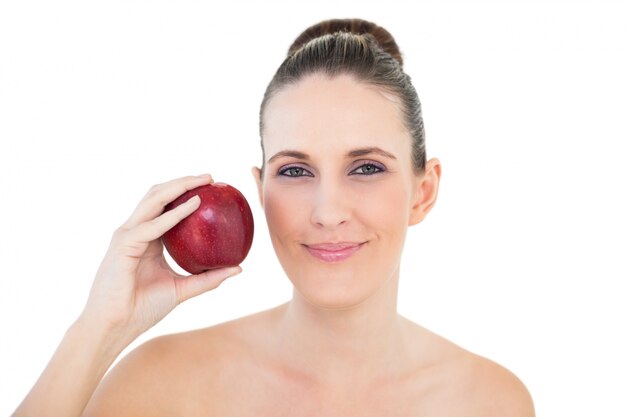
(338, 170)
(338, 348)
(133, 289)
(239, 368)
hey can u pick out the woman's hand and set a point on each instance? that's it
(134, 287)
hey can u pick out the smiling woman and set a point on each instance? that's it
(339, 149)
(344, 175)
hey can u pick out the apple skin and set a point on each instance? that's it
(217, 234)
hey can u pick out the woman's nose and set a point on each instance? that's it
(331, 205)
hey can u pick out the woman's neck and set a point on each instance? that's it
(338, 346)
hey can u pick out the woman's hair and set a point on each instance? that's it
(358, 48)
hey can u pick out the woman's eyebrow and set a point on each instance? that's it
(293, 154)
(369, 150)
(352, 154)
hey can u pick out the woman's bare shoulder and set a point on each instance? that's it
(473, 384)
(168, 374)
(496, 390)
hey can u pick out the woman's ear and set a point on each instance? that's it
(425, 192)
(256, 172)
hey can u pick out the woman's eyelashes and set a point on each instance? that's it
(294, 171)
(368, 168)
(365, 169)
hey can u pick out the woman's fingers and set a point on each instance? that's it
(191, 286)
(160, 195)
(155, 228)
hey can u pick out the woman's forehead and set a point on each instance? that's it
(337, 112)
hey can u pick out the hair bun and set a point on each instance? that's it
(356, 26)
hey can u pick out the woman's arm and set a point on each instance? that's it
(134, 288)
(74, 371)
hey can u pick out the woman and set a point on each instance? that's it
(344, 174)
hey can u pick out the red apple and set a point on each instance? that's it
(218, 234)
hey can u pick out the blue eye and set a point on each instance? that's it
(294, 171)
(368, 169)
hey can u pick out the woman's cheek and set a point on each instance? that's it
(388, 215)
(382, 202)
(285, 206)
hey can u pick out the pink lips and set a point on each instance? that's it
(333, 252)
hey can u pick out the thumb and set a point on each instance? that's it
(194, 285)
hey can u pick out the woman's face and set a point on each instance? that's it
(338, 189)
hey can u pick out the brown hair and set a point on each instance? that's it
(364, 50)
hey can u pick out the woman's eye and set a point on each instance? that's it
(294, 172)
(367, 169)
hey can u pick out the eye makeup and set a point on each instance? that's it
(368, 168)
(294, 171)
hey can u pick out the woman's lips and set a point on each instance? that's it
(333, 252)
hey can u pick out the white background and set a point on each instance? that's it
(520, 261)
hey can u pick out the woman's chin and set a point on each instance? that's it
(331, 296)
